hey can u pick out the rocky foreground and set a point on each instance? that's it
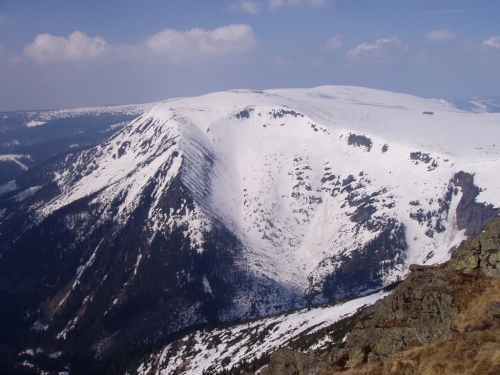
(442, 319)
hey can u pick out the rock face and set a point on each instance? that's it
(422, 310)
(289, 362)
(472, 215)
(481, 252)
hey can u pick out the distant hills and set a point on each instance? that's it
(488, 105)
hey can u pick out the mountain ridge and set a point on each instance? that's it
(241, 204)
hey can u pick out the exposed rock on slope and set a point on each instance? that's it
(435, 311)
(472, 215)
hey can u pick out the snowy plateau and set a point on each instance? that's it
(244, 204)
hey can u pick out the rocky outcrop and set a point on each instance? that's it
(472, 215)
(434, 304)
(481, 252)
(289, 362)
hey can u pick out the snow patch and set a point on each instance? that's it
(16, 159)
(206, 350)
(33, 123)
(39, 326)
(25, 194)
(206, 285)
(8, 187)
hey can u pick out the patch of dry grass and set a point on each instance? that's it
(476, 307)
(472, 353)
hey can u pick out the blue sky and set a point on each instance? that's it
(59, 53)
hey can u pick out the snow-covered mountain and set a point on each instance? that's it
(484, 105)
(241, 204)
(21, 119)
(28, 138)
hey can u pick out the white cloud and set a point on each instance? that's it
(380, 45)
(245, 6)
(47, 48)
(333, 43)
(175, 45)
(440, 36)
(179, 46)
(494, 41)
(282, 3)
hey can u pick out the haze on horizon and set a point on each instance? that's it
(60, 54)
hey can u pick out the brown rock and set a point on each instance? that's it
(492, 312)
(481, 252)
(289, 362)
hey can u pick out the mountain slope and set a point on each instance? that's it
(213, 351)
(29, 138)
(440, 319)
(241, 204)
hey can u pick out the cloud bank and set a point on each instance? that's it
(494, 42)
(176, 46)
(380, 47)
(47, 48)
(179, 46)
